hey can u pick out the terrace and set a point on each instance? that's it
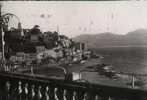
(18, 86)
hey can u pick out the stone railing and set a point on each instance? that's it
(26, 87)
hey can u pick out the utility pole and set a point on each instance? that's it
(0, 29)
(2, 39)
(3, 45)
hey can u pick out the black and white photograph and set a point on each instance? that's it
(73, 50)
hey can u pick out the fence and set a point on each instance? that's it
(26, 87)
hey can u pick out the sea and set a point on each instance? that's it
(127, 59)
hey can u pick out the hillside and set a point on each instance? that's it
(137, 37)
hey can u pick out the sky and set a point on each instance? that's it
(73, 18)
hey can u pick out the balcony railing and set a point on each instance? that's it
(26, 87)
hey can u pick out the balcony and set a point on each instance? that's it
(14, 86)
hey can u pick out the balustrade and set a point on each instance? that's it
(24, 87)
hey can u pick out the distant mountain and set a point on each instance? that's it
(137, 37)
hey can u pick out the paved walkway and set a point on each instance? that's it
(93, 77)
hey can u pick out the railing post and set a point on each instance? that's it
(18, 93)
(32, 92)
(7, 91)
(68, 94)
(38, 94)
(58, 93)
(25, 92)
(46, 93)
(51, 93)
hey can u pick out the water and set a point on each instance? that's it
(122, 59)
(125, 59)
